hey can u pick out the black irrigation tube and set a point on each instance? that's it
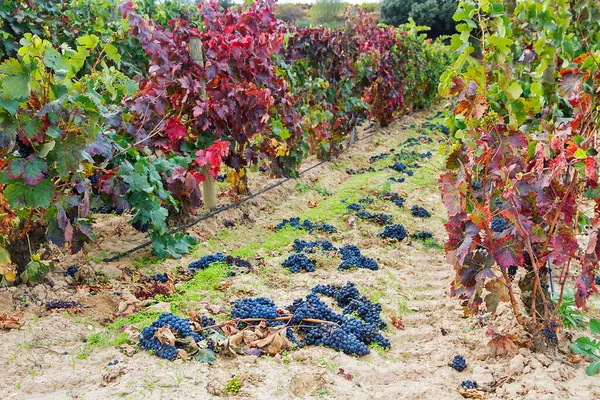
(227, 207)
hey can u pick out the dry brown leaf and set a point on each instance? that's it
(165, 336)
(236, 340)
(574, 358)
(214, 309)
(275, 342)
(346, 376)
(229, 329)
(222, 287)
(397, 322)
(181, 353)
(471, 393)
(132, 334)
(127, 349)
(111, 375)
(11, 321)
(501, 344)
(313, 203)
(351, 222)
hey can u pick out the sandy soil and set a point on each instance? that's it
(43, 359)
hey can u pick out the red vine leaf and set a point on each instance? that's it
(508, 251)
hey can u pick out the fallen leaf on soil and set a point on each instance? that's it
(275, 343)
(111, 375)
(127, 349)
(501, 343)
(252, 352)
(12, 321)
(574, 358)
(471, 393)
(313, 203)
(213, 309)
(346, 376)
(397, 321)
(132, 334)
(150, 291)
(222, 287)
(229, 329)
(181, 353)
(351, 222)
(165, 336)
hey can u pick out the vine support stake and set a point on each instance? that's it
(208, 186)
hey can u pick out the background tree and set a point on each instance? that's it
(436, 14)
(327, 10)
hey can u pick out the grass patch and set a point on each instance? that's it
(200, 287)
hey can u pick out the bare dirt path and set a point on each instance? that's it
(47, 358)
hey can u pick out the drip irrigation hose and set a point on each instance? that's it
(227, 207)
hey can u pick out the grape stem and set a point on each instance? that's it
(286, 318)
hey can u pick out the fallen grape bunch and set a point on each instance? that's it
(379, 218)
(306, 225)
(352, 257)
(259, 327)
(298, 262)
(420, 212)
(205, 261)
(395, 232)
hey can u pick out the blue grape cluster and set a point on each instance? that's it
(162, 278)
(365, 200)
(58, 304)
(257, 307)
(498, 202)
(206, 321)
(306, 225)
(309, 247)
(348, 297)
(498, 224)
(396, 232)
(549, 332)
(337, 339)
(352, 257)
(401, 167)
(355, 207)
(458, 363)
(205, 261)
(597, 280)
(298, 262)
(399, 180)
(71, 271)
(379, 218)
(512, 271)
(422, 235)
(351, 335)
(179, 326)
(420, 212)
(378, 157)
(138, 226)
(394, 198)
(466, 385)
(221, 178)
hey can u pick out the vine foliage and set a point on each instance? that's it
(522, 185)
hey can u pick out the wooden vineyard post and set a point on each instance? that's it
(208, 186)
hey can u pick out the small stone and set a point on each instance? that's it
(543, 359)
(526, 370)
(517, 364)
(482, 376)
(535, 364)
